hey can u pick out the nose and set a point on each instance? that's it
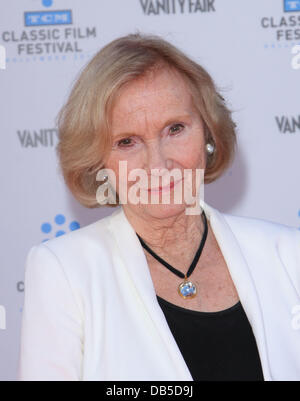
(157, 159)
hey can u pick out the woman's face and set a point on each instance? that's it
(155, 127)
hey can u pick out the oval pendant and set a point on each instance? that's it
(187, 289)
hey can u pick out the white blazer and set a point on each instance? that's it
(91, 313)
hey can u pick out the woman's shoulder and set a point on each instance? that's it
(260, 228)
(256, 233)
(257, 236)
(268, 240)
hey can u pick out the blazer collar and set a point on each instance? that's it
(136, 263)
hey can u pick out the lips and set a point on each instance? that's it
(165, 188)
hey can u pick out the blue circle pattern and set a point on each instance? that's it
(59, 219)
(47, 3)
(74, 225)
(46, 228)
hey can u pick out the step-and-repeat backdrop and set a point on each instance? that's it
(252, 50)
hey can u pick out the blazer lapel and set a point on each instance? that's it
(136, 263)
(243, 281)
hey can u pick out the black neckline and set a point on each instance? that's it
(233, 308)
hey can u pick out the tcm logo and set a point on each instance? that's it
(42, 18)
(2, 318)
(2, 57)
(291, 5)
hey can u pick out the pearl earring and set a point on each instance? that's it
(210, 148)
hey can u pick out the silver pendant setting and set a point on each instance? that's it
(187, 289)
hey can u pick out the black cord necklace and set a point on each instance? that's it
(186, 289)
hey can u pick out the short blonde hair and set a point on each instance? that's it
(83, 122)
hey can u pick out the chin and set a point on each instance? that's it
(162, 211)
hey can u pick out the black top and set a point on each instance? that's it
(216, 346)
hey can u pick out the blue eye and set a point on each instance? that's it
(176, 128)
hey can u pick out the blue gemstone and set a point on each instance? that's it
(187, 289)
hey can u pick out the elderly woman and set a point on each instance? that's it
(153, 292)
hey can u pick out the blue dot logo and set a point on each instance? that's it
(59, 226)
(47, 3)
(74, 225)
(46, 228)
(59, 219)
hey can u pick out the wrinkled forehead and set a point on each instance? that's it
(160, 93)
(155, 80)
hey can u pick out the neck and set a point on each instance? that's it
(166, 233)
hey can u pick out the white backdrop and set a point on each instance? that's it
(245, 45)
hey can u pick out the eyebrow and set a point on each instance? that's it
(169, 121)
